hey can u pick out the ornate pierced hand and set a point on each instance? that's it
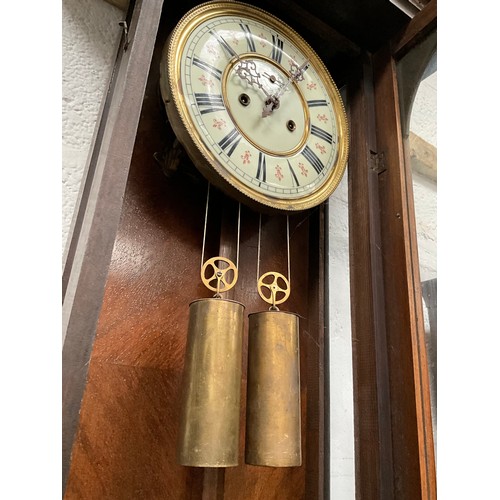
(247, 70)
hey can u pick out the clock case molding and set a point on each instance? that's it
(135, 240)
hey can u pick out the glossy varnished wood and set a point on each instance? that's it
(393, 432)
(316, 337)
(137, 358)
(123, 446)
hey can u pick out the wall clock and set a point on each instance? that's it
(254, 106)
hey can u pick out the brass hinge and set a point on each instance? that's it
(377, 162)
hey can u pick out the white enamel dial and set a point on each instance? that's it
(262, 107)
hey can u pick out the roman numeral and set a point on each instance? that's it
(261, 168)
(277, 53)
(316, 102)
(230, 141)
(249, 37)
(224, 44)
(322, 134)
(309, 155)
(207, 67)
(209, 102)
(294, 177)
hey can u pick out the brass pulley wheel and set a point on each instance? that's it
(276, 283)
(221, 268)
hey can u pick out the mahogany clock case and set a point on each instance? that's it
(126, 437)
(124, 445)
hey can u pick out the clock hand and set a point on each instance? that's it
(294, 77)
(229, 50)
(247, 70)
(270, 105)
(273, 101)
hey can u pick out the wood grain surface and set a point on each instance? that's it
(372, 426)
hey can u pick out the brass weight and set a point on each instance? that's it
(210, 420)
(273, 390)
(209, 428)
(273, 428)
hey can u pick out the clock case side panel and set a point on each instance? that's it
(392, 413)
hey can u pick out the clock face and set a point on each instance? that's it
(258, 104)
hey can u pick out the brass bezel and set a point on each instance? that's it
(200, 154)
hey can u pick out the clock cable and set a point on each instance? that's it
(220, 271)
(271, 280)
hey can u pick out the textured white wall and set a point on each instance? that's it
(90, 34)
(423, 123)
(342, 485)
(425, 196)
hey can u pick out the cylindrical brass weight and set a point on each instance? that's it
(210, 415)
(273, 390)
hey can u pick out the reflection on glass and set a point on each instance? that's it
(423, 157)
